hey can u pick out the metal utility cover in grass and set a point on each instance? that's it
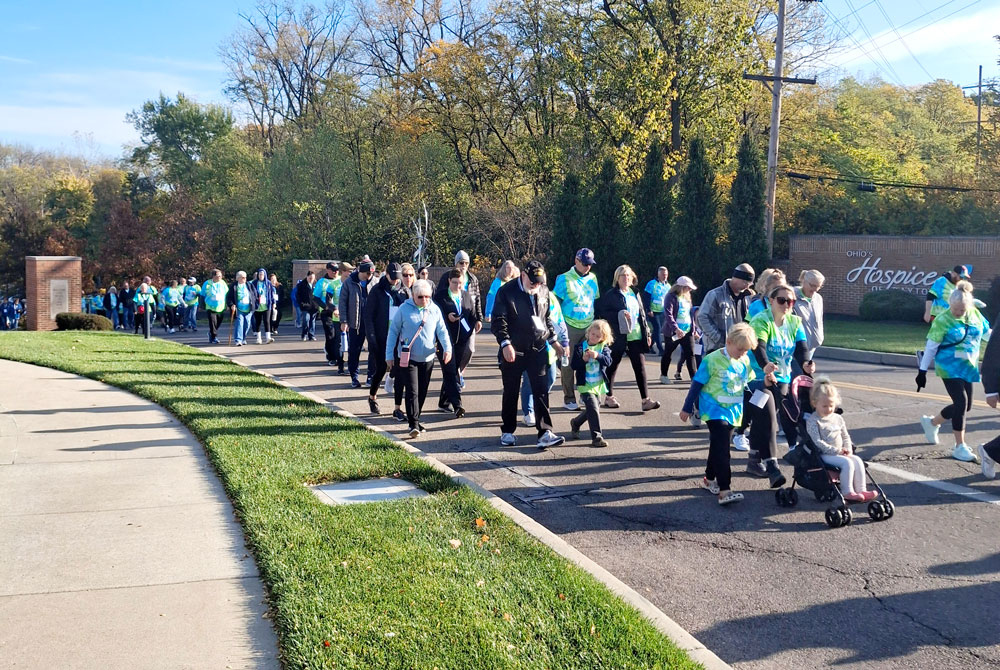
(367, 490)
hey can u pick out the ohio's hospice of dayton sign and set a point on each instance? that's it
(857, 264)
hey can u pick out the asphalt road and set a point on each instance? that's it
(762, 586)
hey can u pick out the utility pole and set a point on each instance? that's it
(774, 85)
(979, 119)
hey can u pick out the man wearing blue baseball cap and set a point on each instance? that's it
(577, 291)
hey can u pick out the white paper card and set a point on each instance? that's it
(758, 399)
(697, 348)
(465, 324)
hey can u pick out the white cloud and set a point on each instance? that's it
(106, 125)
(967, 33)
(12, 59)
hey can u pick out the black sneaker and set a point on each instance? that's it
(460, 412)
(422, 427)
(355, 384)
(398, 415)
(774, 475)
(445, 407)
(373, 405)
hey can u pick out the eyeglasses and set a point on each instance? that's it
(782, 300)
(409, 274)
(421, 297)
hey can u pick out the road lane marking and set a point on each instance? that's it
(906, 394)
(957, 489)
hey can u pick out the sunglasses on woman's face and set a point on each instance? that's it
(409, 274)
(782, 300)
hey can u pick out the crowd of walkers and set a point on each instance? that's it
(741, 347)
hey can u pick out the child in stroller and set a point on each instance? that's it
(824, 457)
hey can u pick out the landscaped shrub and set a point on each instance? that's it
(79, 321)
(891, 305)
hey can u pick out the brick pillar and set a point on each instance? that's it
(52, 285)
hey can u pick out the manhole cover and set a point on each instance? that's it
(368, 490)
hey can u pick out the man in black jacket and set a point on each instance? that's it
(381, 305)
(353, 296)
(462, 317)
(522, 324)
(303, 298)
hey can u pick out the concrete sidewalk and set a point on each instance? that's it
(118, 545)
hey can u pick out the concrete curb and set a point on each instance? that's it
(873, 357)
(683, 639)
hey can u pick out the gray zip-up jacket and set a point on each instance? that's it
(353, 297)
(719, 312)
(811, 312)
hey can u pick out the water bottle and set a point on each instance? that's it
(564, 361)
(343, 344)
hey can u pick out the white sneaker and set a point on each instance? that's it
(258, 338)
(571, 406)
(930, 430)
(989, 465)
(550, 439)
(529, 419)
(665, 379)
(963, 453)
(695, 421)
(741, 442)
(269, 339)
(508, 440)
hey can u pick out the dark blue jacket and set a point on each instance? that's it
(579, 366)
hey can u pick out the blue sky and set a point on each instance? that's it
(70, 71)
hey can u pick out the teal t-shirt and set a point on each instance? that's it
(942, 289)
(594, 380)
(658, 291)
(171, 296)
(683, 315)
(632, 305)
(779, 342)
(333, 289)
(191, 294)
(756, 307)
(243, 299)
(262, 288)
(723, 381)
(215, 295)
(577, 295)
(958, 355)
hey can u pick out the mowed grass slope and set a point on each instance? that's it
(377, 585)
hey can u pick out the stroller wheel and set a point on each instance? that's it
(793, 497)
(845, 514)
(833, 517)
(876, 511)
(888, 508)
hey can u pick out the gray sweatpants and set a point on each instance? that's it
(568, 376)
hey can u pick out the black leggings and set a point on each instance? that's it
(961, 398)
(381, 368)
(992, 448)
(416, 377)
(687, 355)
(638, 360)
(718, 468)
(764, 425)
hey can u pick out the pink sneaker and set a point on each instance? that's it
(855, 497)
(869, 495)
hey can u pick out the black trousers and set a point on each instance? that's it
(260, 322)
(355, 343)
(591, 413)
(451, 392)
(536, 364)
(381, 367)
(416, 378)
(992, 448)
(687, 354)
(764, 425)
(331, 330)
(718, 468)
(638, 360)
(398, 387)
(214, 321)
(960, 392)
(144, 321)
(173, 319)
(275, 321)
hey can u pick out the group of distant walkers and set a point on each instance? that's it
(742, 347)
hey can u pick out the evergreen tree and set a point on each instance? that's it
(567, 226)
(649, 234)
(747, 237)
(695, 238)
(605, 231)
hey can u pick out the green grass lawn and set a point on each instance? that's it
(376, 585)
(893, 337)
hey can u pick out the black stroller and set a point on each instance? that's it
(810, 472)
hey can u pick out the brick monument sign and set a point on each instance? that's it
(858, 264)
(52, 284)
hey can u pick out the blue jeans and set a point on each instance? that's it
(114, 318)
(191, 317)
(528, 400)
(307, 322)
(298, 316)
(657, 324)
(128, 319)
(241, 326)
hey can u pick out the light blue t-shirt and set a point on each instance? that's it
(723, 381)
(779, 342)
(658, 291)
(958, 355)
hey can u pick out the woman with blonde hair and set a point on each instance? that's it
(953, 347)
(622, 308)
(768, 279)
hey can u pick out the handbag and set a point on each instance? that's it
(404, 352)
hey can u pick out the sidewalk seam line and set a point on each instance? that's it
(131, 586)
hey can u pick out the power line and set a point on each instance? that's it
(825, 175)
(902, 41)
(864, 51)
(875, 46)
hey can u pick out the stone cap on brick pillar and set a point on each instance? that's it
(53, 258)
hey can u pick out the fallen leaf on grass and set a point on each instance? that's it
(506, 616)
(326, 643)
(455, 544)
(480, 522)
(390, 634)
(481, 582)
(593, 629)
(562, 596)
